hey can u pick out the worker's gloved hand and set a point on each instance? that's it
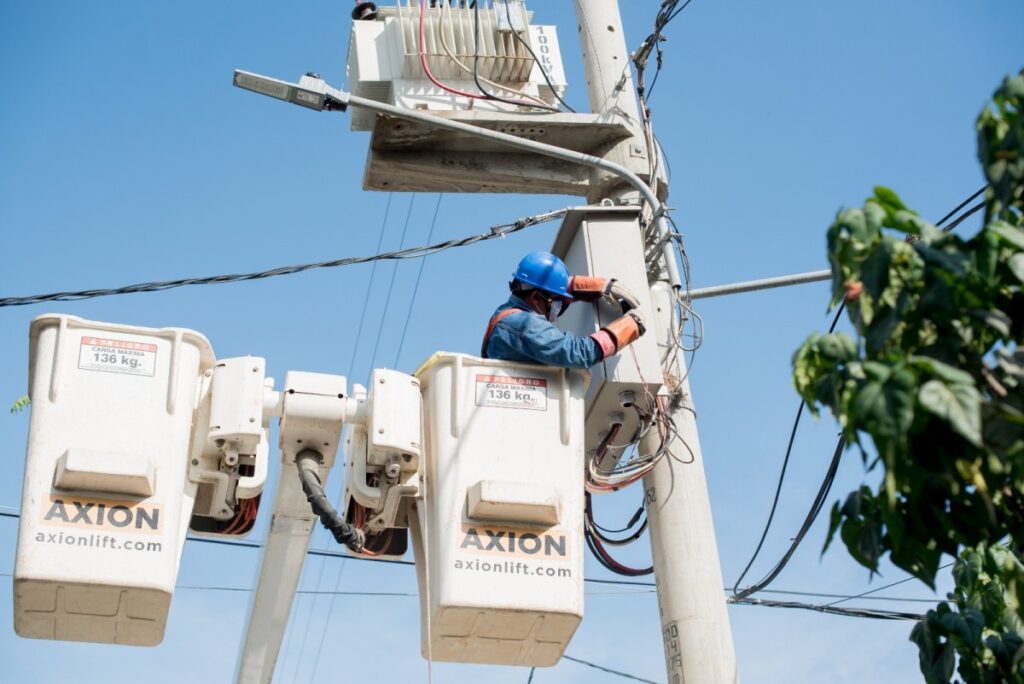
(587, 288)
(619, 333)
(622, 296)
(593, 288)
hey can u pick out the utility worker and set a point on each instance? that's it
(522, 329)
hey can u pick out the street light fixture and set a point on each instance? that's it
(311, 91)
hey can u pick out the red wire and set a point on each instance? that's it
(603, 552)
(426, 67)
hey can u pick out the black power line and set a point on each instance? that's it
(497, 231)
(842, 599)
(826, 484)
(617, 673)
(827, 608)
(416, 287)
(846, 612)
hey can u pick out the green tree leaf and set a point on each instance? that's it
(20, 404)
(957, 404)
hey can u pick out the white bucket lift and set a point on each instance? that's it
(139, 434)
(499, 535)
(103, 520)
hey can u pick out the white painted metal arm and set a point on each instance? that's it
(313, 409)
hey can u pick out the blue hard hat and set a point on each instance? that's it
(544, 271)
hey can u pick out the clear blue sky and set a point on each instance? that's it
(126, 156)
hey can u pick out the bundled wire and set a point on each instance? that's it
(669, 10)
(307, 464)
(446, 13)
(425, 63)
(596, 541)
(484, 94)
(635, 467)
(498, 231)
(245, 517)
(636, 526)
(848, 612)
(375, 543)
(476, 67)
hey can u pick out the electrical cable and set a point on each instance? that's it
(327, 620)
(830, 475)
(540, 67)
(341, 486)
(391, 285)
(963, 204)
(812, 514)
(416, 286)
(960, 219)
(605, 559)
(459, 63)
(617, 673)
(588, 580)
(632, 521)
(843, 599)
(426, 66)
(476, 68)
(649, 589)
(369, 287)
(669, 10)
(307, 463)
(782, 474)
(848, 612)
(498, 231)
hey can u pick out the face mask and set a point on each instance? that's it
(555, 309)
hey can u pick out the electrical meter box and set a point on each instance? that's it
(106, 503)
(607, 241)
(498, 534)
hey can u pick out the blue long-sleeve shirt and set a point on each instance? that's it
(527, 336)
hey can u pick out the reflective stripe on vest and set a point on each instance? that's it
(490, 328)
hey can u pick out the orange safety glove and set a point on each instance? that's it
(587, 288)
(593, 288)
(619, 333)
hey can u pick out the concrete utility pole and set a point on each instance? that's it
(694, 620)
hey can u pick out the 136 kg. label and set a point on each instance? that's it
(508, 391)
(117, 356)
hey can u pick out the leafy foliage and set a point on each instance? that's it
(933, 384)
(20, 404)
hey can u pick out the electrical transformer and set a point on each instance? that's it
(483, 64)
(427, 60)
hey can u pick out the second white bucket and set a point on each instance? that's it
(499, 544)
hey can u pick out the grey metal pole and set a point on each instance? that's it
(762, 284)
(694, 621)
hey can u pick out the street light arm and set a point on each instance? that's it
(313, 84)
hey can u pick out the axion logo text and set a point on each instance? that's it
(552, 544)
(97, 514)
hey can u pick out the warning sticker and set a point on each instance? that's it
(506, 391)
(117, 356)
